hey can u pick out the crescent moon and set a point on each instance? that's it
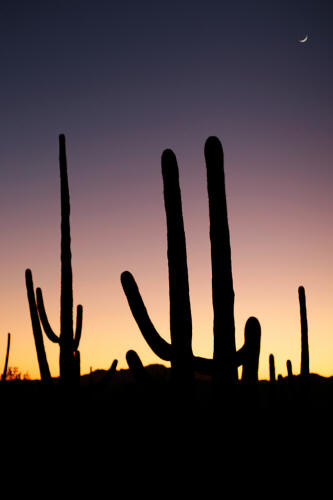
(304, 39)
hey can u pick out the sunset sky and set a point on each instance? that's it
(124, 81)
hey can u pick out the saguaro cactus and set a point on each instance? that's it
(4, 374)
(137, 368)
(248, 355)
(181, 356)
(290, 370)
(222, 282)
(223, 367)
(68, 340)
(272, 377)
(305, 367)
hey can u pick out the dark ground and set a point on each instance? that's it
(145, 431)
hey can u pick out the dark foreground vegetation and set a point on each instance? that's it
(288, 403)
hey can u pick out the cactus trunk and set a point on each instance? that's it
(67, 361)
(305, 368)
(4, 374)
(272, 376)
(180, 309)
(222, 282)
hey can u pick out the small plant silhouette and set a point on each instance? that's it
(68, 339)
(223, 366)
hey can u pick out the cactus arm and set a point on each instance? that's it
(158, 345)
(247, 355)
(78, 331)
(180, 308)
(43, 318)
(222, 282)
(36, 329)
(3, 378)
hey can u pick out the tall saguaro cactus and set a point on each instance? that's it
(225, 360)
(4, 374)
(305, 365)
(68, 339)
(222, 282)
(180, 355)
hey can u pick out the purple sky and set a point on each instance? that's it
(123, 81)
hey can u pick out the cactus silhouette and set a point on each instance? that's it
(110, 373)
(137, 368)
(36, 329)
(305, 369)
(272, 368)
(225, 360)
(180, 355)
(248, 355)
(4, 374)
(222, 281)
(68, 340)
(291, 384)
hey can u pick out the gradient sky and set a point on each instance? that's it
(124, 81)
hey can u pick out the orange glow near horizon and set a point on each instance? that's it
(271, 257)
(123, 81)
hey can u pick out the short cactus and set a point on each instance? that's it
(289, 370)
(137, 368)
(248, 355)
(272, 376)
(291, 384)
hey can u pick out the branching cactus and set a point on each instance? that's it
(180, 355)
(68, 339)
(225, 360)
